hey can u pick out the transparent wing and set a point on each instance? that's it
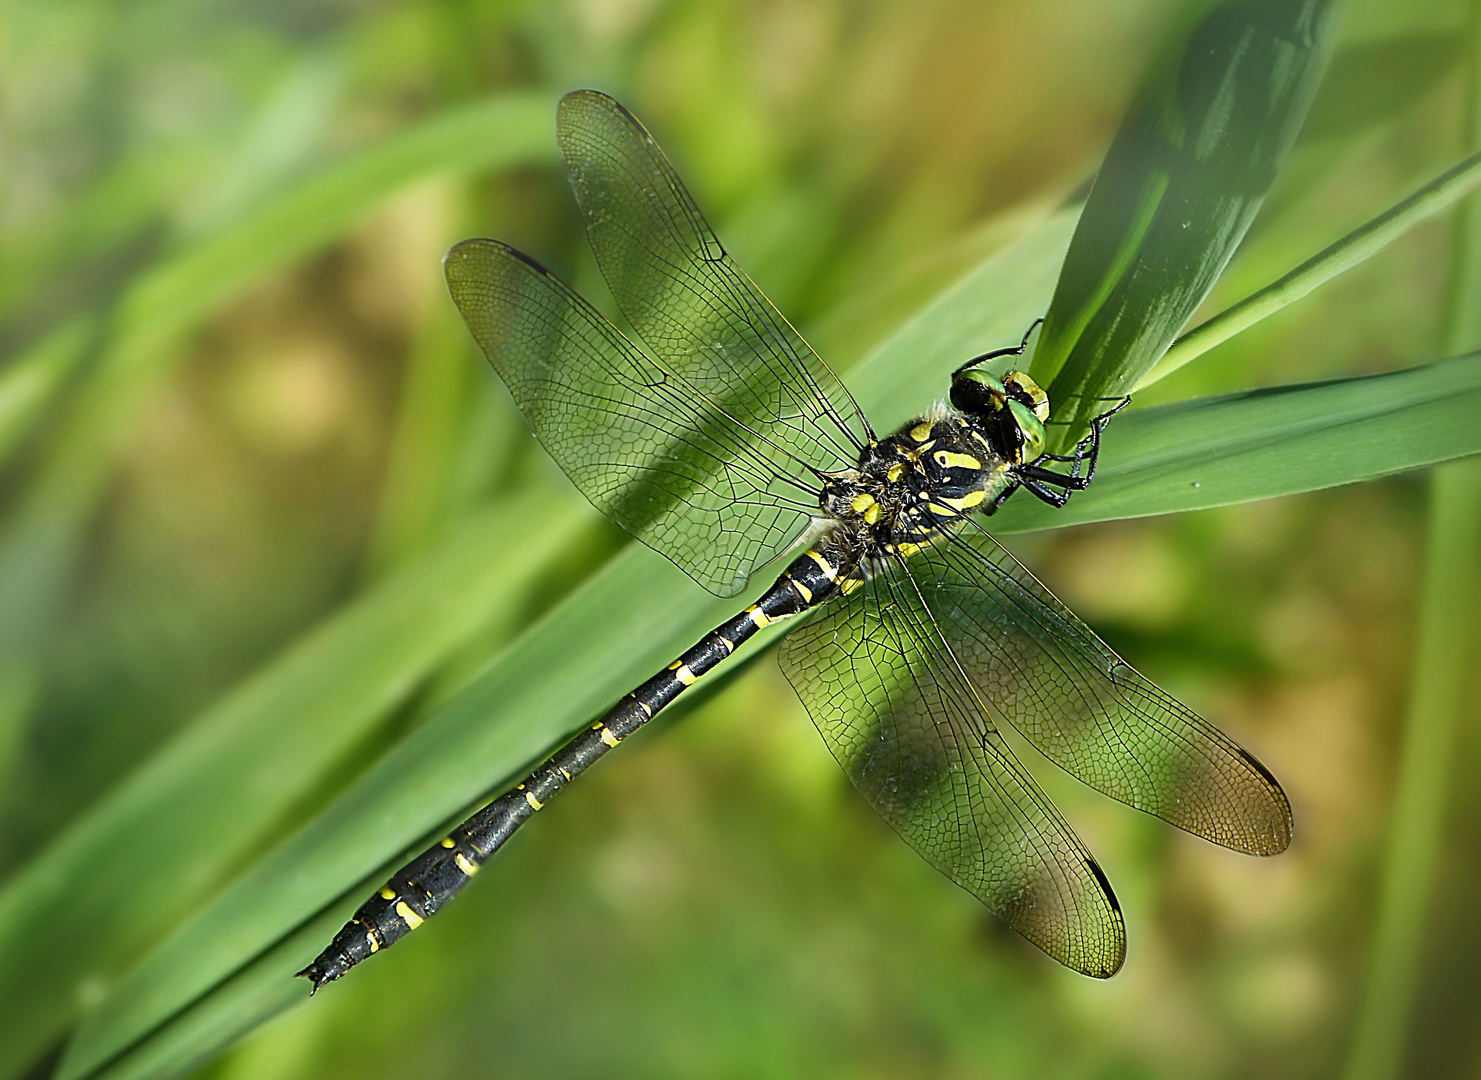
(912, 733)
(695, 310)
(1044, 671)
(652, 452)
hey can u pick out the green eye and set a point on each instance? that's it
(985, 379)
(1031, 390)
(1031, 426)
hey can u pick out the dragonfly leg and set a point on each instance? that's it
(1087, 452)
(1041, 482)
(1040, 490)
(1068, 481)
(1001, 497)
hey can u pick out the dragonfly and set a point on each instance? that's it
(718, 437)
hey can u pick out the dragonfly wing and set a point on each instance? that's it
(695, 310)
(649, 450)
(1044, 671)
(892, 702)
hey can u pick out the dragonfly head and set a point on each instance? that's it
(1009, 411)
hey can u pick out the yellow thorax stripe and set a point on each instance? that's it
(967, 501)
(949, 459)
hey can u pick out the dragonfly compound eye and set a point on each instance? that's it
(977, 393)
(1020, 386)
(1031, 427)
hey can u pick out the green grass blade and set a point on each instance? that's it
(417, 499)
(1362, 243)
(254, 996)
(152, 850)
(988, 308)
(39, 545)
(30, 382)
(1259, 444)
(1443, 654)
(1180, 184)
(1462, 328)
(553, 679)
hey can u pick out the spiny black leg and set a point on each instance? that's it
(1047, 494)
(1087, 450)
(1036, 480)
(1017, 350)
(1069, 482)
(1097, 426)
(1098, 423)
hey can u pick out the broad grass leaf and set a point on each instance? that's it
(1180, 184)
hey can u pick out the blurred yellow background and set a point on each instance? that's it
(717, 901)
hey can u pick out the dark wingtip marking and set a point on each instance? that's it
(575, 97)
(1108, 972)
(608, 101)
(534, 264)
(462, 248)
(465, 250)
(1105, 883)
(1253, 762)
(633, 120)
(1105, 971)
(1285, 824)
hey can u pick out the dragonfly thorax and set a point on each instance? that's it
(916, 483)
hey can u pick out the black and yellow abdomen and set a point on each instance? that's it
(416, 891)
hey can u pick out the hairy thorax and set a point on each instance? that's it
(911, 486)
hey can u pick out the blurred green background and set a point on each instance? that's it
(237, 397)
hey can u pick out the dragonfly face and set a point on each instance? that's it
(1010, 412)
